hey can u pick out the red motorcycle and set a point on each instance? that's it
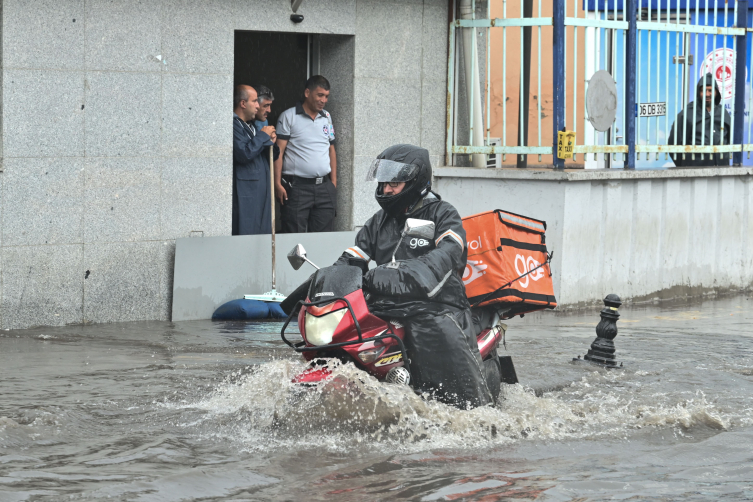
(335, 322)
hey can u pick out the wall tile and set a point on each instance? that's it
(123, 282)
(388, 42)
(123, 35)
(43, 113)
(197, 115)
(198, 36)
(434, 42)
(43, 201)
(384, 118)
(43, 34)
(433, 117)
(123, 114)
(196, 196)
(42, 285)
(122, 199)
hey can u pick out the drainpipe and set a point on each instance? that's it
(470, 53)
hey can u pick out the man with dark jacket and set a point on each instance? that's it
(252, 198)
(422, 288)
(707, 131)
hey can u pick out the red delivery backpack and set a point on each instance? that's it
(508, 264)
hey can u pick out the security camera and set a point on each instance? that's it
(296, 18)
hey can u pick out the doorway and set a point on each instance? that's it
(283, 62)
(280, 61)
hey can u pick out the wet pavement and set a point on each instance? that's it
(156, 411)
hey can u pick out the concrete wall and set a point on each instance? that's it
(116, 135)
(640, 234)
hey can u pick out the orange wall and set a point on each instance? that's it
(514, 69)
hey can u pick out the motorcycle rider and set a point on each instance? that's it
(423, 288)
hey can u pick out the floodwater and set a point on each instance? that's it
(157, 411)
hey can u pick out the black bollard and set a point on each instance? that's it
(602, 349)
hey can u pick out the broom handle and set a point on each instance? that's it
(272, 199)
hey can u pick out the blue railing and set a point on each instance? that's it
(654, 50)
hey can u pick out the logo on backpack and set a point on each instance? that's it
(475, 244)
(527, 265)
(473, 270)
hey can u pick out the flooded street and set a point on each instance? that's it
(156, 411)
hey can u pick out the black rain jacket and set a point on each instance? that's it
(704, 132)
(425, 291)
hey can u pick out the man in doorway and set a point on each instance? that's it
(265, 106)
(252, 196)
(707, 131)
(306, 171)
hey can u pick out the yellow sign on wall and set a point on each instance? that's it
(565, 144)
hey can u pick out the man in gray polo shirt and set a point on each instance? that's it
(306, 171)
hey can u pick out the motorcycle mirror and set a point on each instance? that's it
(297, 256)
(419, 228)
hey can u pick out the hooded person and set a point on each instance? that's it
(707, 131)
(418, 281)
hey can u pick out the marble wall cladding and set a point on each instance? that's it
(42, 285)
(43, 113)
(196, 196)
(123, 281)
(117, 134)
(388, 39)
(43, 34)
(123, 112)
(197, 37)
(400, 90)
(197, 116)
(337, 61)
(122, 199)
(385, 116)
(124, 35)
(42, 201)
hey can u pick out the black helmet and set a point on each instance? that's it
(401, 163)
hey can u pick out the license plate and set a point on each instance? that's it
(652, 109)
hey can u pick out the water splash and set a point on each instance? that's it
(264, 410)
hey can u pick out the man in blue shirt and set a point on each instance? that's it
(251, 178)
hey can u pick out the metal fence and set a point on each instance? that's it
(654, 50)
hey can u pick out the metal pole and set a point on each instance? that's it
(742, 58)
(526, 81)
(632, 64)
(558, 77)
(272, 198)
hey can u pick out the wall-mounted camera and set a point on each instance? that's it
(295, 17)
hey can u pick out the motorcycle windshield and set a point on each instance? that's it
(333, 282)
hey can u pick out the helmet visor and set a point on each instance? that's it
(386, 171)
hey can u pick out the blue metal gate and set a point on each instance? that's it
(656, 51)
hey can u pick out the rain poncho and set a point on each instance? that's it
(426, 294)
(705, 128)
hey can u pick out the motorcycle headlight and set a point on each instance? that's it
(319, 330)
(371, 355)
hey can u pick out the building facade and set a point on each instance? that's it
(117, 134)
